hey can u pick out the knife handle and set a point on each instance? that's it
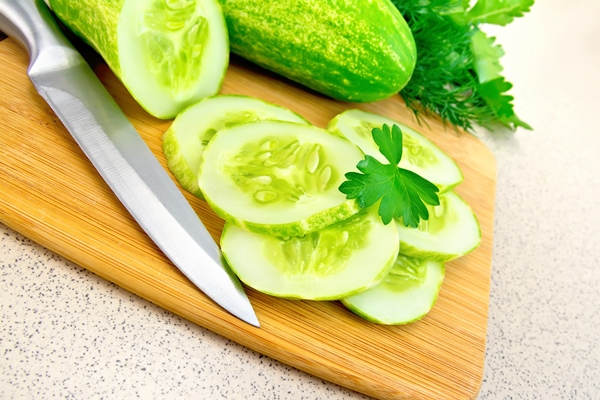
(31, 24)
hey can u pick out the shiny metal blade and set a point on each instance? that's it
(65, 80)
(70, 87)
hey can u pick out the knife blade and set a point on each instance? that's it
(65, 80)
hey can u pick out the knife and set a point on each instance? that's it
(65, 80)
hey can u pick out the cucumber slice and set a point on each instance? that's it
(186, 138)
(168, 53)
(347, 257)
(278, 178)
(405, 295)
(451, 231)
(419, 154)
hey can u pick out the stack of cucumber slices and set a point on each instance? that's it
(272, 176)
(289, 232)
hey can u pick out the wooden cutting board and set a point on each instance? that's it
(51, 193)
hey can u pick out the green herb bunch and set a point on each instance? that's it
(458, 71)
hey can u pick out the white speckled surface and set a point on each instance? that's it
(66, 333)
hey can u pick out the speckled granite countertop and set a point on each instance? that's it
(66, 333)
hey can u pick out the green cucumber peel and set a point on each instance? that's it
(326, 46)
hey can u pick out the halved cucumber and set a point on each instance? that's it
(186, 138)
(405, 295)
(168, 53)
(451, 231)
(347, 257)
(419, 154)
(278, 178)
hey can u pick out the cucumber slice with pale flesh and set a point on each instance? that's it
(168, 53)
(419, 154)
(186, 138)
(405, 295)
(278, 178)
(347, 257)
(451, 231)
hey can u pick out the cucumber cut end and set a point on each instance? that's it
(172, 53)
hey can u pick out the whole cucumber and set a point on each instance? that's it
(350, 50)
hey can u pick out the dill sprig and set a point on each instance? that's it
(447, 79)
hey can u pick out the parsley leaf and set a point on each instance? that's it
(486, 56)
(499, 12)
(494, 94)
(389, 142)
(403, 193)
(492, 86)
